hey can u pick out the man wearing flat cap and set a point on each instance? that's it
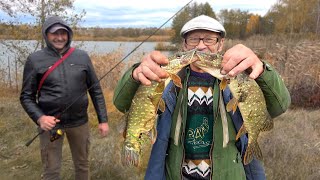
(189, 131)
(54, 95)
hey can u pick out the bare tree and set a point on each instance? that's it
(38, 10)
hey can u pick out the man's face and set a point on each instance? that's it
(209, 41)
(58, 39)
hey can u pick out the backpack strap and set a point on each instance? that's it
(54, 66)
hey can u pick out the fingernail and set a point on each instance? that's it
(223, 72)
(231, 73)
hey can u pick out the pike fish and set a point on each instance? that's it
(147, 101)
(248, 97)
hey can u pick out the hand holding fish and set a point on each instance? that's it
(239, 58)
(149, 69)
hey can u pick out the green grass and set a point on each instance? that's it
(20, 162)
(291, 150)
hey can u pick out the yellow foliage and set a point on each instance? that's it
(253, 24)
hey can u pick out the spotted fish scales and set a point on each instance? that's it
(248, 97)
(147, 101)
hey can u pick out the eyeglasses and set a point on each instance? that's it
(208, 41)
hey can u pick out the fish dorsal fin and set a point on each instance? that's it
(232, 105)
(241, 131)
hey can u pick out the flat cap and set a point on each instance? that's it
(203, 22)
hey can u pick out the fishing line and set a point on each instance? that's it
(96, 83)
(125, 57)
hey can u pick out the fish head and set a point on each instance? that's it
(210, 63)
(180, 60)
(212, 60)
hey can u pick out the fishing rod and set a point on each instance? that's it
(134, 49)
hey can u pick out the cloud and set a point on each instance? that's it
(128, 13)
(148, 13)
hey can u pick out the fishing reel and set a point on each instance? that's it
(56, 133)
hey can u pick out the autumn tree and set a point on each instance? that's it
(253, 25)
(188, 13)
(38, 10)
(295, 16)
(235, 22)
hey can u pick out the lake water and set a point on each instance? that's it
(92, 47)
(8, 56)
(102, 47)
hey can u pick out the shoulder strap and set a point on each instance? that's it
(44, 77)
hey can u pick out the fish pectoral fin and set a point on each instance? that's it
(153, 100)
(153, 134)
(162, 105)
(156, 97)
(253, 150)
(241, 131)
(156, 100)
(232, 105)
(223, 84)
(160, 87)
(176, 80)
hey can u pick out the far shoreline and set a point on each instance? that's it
(155, 38)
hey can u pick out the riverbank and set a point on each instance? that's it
(154, 38)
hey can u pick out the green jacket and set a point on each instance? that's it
(226, 161)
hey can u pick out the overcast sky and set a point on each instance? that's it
(152, 13)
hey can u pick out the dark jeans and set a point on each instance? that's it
(51, 152)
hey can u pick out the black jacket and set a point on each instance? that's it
(68, 82)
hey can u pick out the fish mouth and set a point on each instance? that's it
(205, 56)
(189, 57)
(183, 59)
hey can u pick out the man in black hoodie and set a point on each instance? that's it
(61, 102)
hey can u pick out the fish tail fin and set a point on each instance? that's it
(130, 157)
(253, 150)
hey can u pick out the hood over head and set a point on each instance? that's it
(54, 23)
